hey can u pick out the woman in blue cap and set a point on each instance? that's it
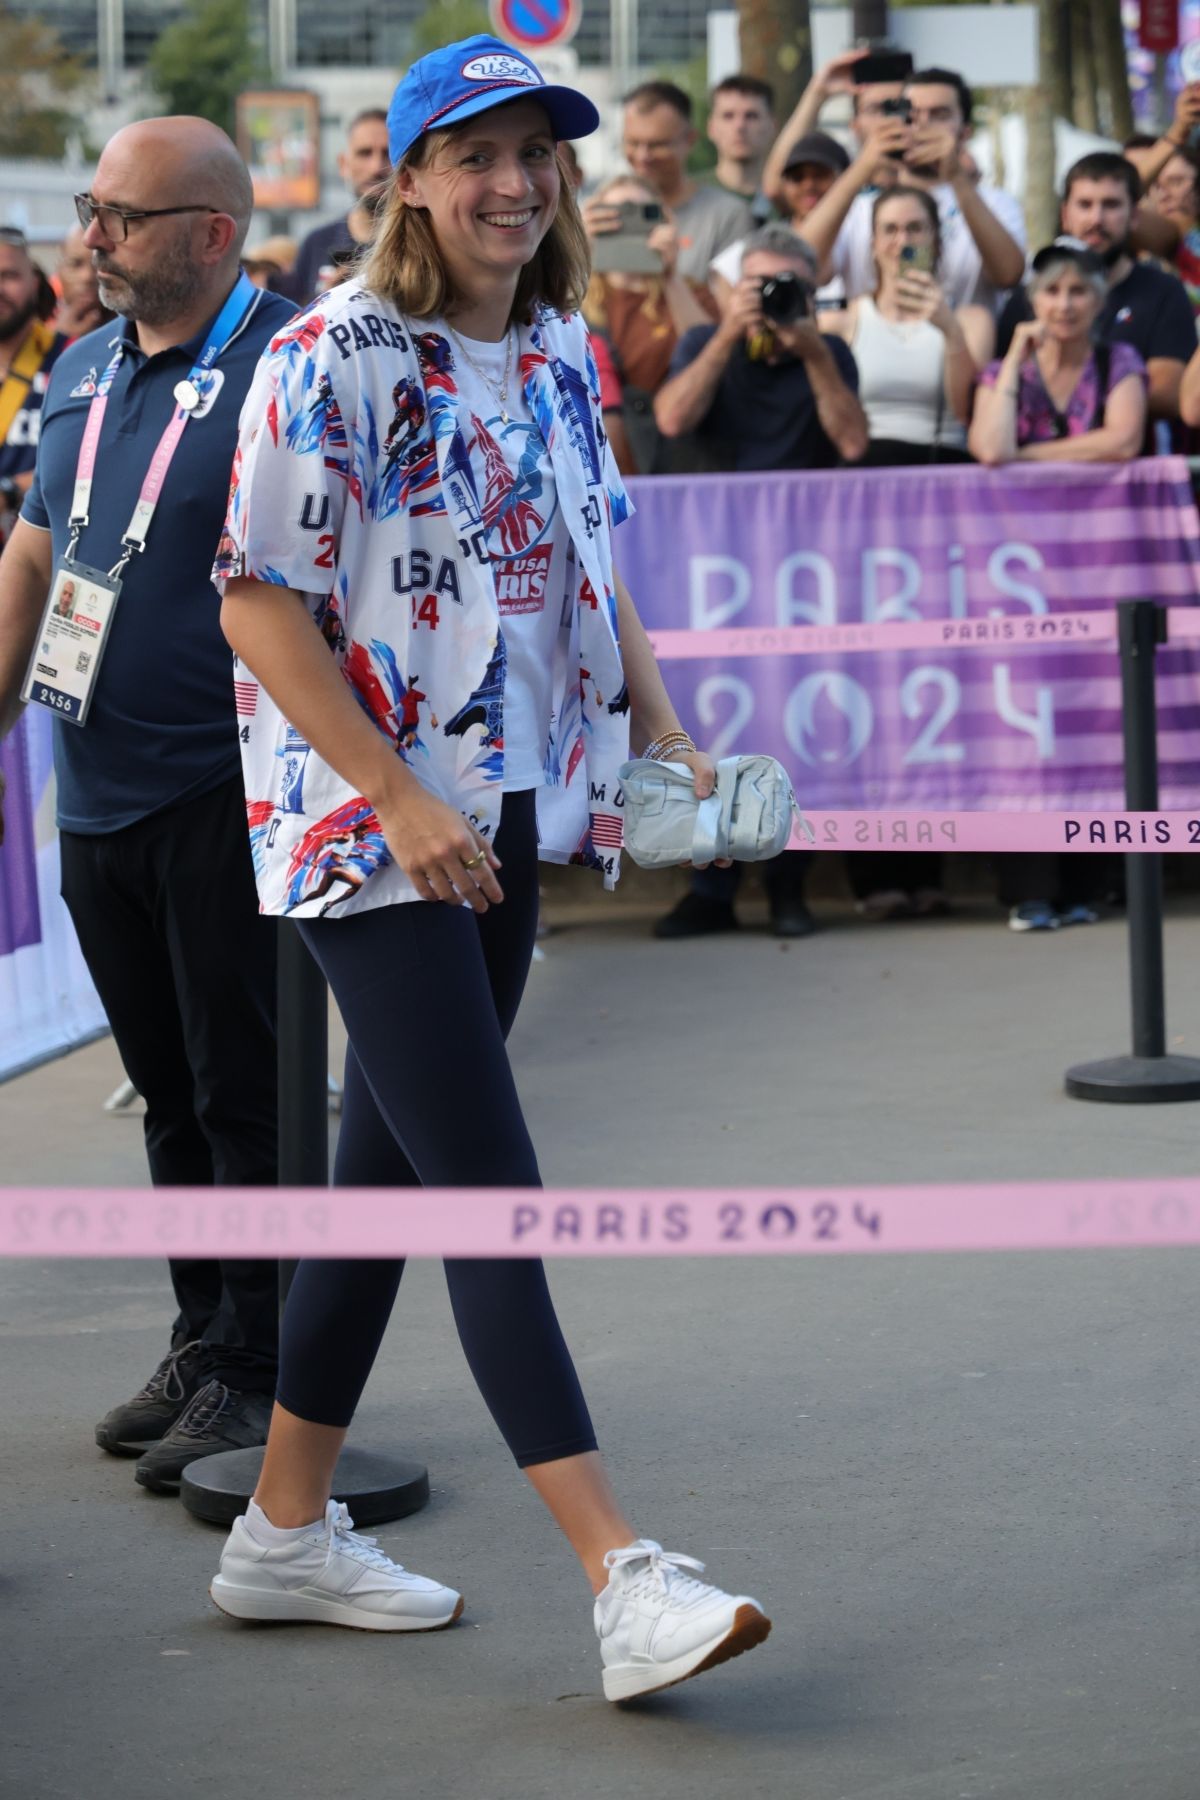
(423, 476)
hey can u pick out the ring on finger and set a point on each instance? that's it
(474, 861)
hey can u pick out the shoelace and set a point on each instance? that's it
(211, 1400)
(166, 1379)
(663, 1572)
(342, 1536)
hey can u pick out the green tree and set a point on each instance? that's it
(446, 21)
(38, 79)
(204, 60)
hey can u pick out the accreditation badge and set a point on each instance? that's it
(71, 639)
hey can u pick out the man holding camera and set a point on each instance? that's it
(657, 136)
(919, 138)
(764, 389)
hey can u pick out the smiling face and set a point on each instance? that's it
(803, 186)
(490, 191)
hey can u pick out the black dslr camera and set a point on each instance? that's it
(786, 298)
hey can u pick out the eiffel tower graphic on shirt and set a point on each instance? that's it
(507, 507)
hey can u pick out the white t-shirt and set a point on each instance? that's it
(527, 542)
(961, 270)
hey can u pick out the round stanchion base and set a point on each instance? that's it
(376, 1488)
(1136, 1080)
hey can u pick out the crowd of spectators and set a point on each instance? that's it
(907, 323)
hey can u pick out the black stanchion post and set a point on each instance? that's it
(1149, 1075)
(375, 1488)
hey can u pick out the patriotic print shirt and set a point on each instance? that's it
(361, 481)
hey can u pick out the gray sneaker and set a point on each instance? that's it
(218, 1418)
(129, 1429)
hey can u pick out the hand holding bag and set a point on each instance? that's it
(748, 816)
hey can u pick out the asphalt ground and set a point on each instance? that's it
(963, 1486)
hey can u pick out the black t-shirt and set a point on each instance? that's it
(764, 415)
(1150, 309)
(317, 249)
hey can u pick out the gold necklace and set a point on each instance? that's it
(500, 393)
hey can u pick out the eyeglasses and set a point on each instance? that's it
(114, 221)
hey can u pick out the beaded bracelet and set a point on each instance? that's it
(671, 743)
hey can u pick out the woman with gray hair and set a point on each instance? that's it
(1057, 396)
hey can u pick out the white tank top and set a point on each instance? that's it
(901, 370)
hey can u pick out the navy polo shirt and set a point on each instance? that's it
(162, 727)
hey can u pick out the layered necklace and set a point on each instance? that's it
(500, 394)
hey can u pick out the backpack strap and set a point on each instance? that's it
(1103, 355)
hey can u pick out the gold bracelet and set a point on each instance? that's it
(671, 743)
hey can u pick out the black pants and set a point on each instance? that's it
(428, 994)
(184, 964)
(782, 878)
(1062, 880)
(906, 870)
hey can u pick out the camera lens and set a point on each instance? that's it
(784, 299)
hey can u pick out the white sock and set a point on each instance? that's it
(268, 1535)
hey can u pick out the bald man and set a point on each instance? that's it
(156, 868)
(80, 309)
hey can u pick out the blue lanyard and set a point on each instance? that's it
(226, 323)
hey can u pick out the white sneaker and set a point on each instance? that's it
(657, 1625)
(330, 1575)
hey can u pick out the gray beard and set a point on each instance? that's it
(156, 296)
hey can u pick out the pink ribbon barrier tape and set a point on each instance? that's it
(1003, 632)
(499, 1222)
(995, 831)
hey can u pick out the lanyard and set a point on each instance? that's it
(188, 393)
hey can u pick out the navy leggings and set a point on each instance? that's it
(428, 994)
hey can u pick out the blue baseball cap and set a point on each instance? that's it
(460, 80)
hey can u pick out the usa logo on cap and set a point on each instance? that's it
(460, 80)
(501, 68)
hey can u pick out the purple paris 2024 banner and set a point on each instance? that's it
(20, 914)
(996, 727)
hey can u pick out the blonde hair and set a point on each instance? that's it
(404, 263)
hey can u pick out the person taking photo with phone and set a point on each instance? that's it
(642, 316)
(918, 360)
(921, 140)
(917, 357)
(657, 138)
